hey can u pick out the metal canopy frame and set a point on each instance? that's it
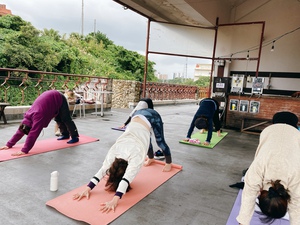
(203, 57)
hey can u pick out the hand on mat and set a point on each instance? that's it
(112, 205)
(123, 126)
(4, 148)
(85, 193)
(18, 153)
(206, 143)
(167, 167)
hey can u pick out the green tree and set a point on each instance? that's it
(23, 46)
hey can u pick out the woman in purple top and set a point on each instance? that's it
(50, 104)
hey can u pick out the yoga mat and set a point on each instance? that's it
(255, 219)
(42, 146)
(118, 128)
(147, 180)
(202, 137)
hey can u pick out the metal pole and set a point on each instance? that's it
(260, 46)
(146, 59)
(213, 57)
(82, 17)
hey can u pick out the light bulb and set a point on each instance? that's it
(272, 49)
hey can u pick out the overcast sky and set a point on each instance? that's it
(123, 27)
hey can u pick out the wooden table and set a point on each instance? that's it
(2, 114)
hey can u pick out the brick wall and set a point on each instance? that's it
(269, 105)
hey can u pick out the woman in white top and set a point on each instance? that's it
(274, 175)
(124, 160)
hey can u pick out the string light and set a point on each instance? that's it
(272, 49)
(230, 58)
(268, 43)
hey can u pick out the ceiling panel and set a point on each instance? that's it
(186, 12)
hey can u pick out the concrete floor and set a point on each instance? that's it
(198, 195)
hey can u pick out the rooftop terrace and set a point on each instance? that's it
(199, 194)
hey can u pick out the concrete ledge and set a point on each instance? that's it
(175, 102)
(131, 105)
(17, 112)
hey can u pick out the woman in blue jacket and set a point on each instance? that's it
(206, 116)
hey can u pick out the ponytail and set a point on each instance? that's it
(273, 203)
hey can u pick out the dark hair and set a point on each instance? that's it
(115, 174)
(273, 203)
(201, 123)
(24, 128)
(286, 117)
(148, 101)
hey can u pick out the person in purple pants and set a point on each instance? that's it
(50, 104)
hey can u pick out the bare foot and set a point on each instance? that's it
(18, 153)
(167, 167)
(206, 143)
(148, 162)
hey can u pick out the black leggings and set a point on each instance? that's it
(64, 120)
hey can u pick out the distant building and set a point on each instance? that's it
(202, 70)
(162, 76)
(4, 11)
(177, 75)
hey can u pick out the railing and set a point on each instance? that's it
(203, 92)
(22, 87)
(31, 83)
(163, 91)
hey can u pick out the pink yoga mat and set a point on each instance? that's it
(42, 146)
(148, 179)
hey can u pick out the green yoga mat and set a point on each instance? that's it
(202, 137)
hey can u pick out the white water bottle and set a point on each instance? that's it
(54, 181)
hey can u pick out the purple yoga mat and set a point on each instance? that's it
(255, 219)
(118, 128)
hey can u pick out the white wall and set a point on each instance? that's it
(281, 17)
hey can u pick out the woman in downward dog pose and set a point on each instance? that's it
(126, 157)
(50, 104)
(205, 118)
(144, 103)
(274, 175)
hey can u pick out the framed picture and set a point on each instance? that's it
(244, 105)
(234, 104)
(237, 83)
(257, 85)
(254, 106)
